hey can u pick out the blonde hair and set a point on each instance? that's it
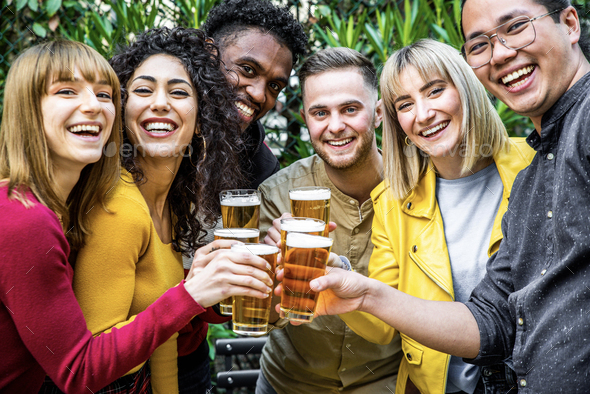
(25, 162)
(484, 135)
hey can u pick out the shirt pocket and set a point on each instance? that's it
(413, 351)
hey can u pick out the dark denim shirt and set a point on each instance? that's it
(257, 160)
(534, 302)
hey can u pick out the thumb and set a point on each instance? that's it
(325, 282)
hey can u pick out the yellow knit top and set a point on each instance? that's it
(123, 268)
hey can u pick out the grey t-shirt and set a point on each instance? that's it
(468, 207)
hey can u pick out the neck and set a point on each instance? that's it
(66, 178)
(160, 173)
(450, 167)
(358, 181)
(582, 69)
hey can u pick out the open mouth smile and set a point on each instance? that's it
(432, 131)
(518, 77)
(340, 142)
(159, 127)
(85, 130)
(244, 110)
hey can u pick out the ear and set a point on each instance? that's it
(571, 21)
(302, 113)
(378, 113)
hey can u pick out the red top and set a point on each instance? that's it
(41, 324)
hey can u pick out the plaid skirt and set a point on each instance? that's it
(135, 383)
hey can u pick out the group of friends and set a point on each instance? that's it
(468, 246)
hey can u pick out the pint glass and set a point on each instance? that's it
(246, 235)
(240, 208)
(311, 202)
(305, 260)
(250, 315)
(299, 225)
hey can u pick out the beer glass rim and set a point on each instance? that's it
(231, 230)
(306, 188)
(307, 240)
(316, 221)
(251, 247)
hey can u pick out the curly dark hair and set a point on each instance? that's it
(205, 170)
(233, 17)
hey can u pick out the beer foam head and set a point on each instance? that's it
(257, 249)
(306, 241)
(240, 201)
(302, 224)
(310, 194)
(237, 232)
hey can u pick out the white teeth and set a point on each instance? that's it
(517, 74)
(159, 127)
(247, 111)
(85, 128)
(436, 128)
(340, 143)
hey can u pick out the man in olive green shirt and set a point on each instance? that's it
(341, 110)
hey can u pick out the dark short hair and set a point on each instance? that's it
(554, 5)
(331, 59)
(212, 163)
(228, 20)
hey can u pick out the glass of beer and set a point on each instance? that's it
(311, 202)
(240, 208)
(305, 260)
(300, 225)
(246, 235)
(250, 315)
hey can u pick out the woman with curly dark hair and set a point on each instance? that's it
(181, 139)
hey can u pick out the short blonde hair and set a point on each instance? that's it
(484, 135)
(24, 155)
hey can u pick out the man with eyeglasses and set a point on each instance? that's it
(534, 303)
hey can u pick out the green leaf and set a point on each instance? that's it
(34, 6)
(20, 4)
(52, 6)
(39, 30)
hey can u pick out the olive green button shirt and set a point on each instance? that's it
(325, 356)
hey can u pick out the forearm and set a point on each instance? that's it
(448, 327)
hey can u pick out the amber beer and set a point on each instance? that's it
(240, 208)
(246, 235)
(305, 260)
(251, 314)
(300, 225)
(311, 202)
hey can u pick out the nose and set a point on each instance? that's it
(424, 112)
(500, 52)
(161, 102)
(256, 91)
(336, 123)
(90, 103)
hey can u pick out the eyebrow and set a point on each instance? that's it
(344, 104)
(170, 82)
(256, 64)
(500, 21)
(427, 85)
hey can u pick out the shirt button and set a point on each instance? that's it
(356, 231)
(343, 370)
(486, 372)
(550, 214)
(409, 206)
(522, 383)
(414, 248)
(543, 272)
(550, 156)
(520, 321)
(340, 388)
(352, 202)
(348, 345)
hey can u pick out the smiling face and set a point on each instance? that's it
(259, 66)
(78, 119)
(529, 80)
(430, 114)
(161, 108)
(341, 117)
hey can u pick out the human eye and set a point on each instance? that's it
(404, 107)
(477, 46)
(180, 92)
(66, 92)
(350, 110)
(142, 90)
(104, 95)
(248, 70)
(436, 91)
(275, 87)
(516, 26)
(319, 114)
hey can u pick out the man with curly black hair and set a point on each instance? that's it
(259, 43)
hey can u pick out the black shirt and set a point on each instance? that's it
(257, 160)
(534, 302)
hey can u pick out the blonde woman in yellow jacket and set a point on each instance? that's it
(440, 128)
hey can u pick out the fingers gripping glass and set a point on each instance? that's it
(515, 34)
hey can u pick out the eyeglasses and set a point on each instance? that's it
(515, 34)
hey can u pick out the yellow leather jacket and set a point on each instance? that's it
(410, 254)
